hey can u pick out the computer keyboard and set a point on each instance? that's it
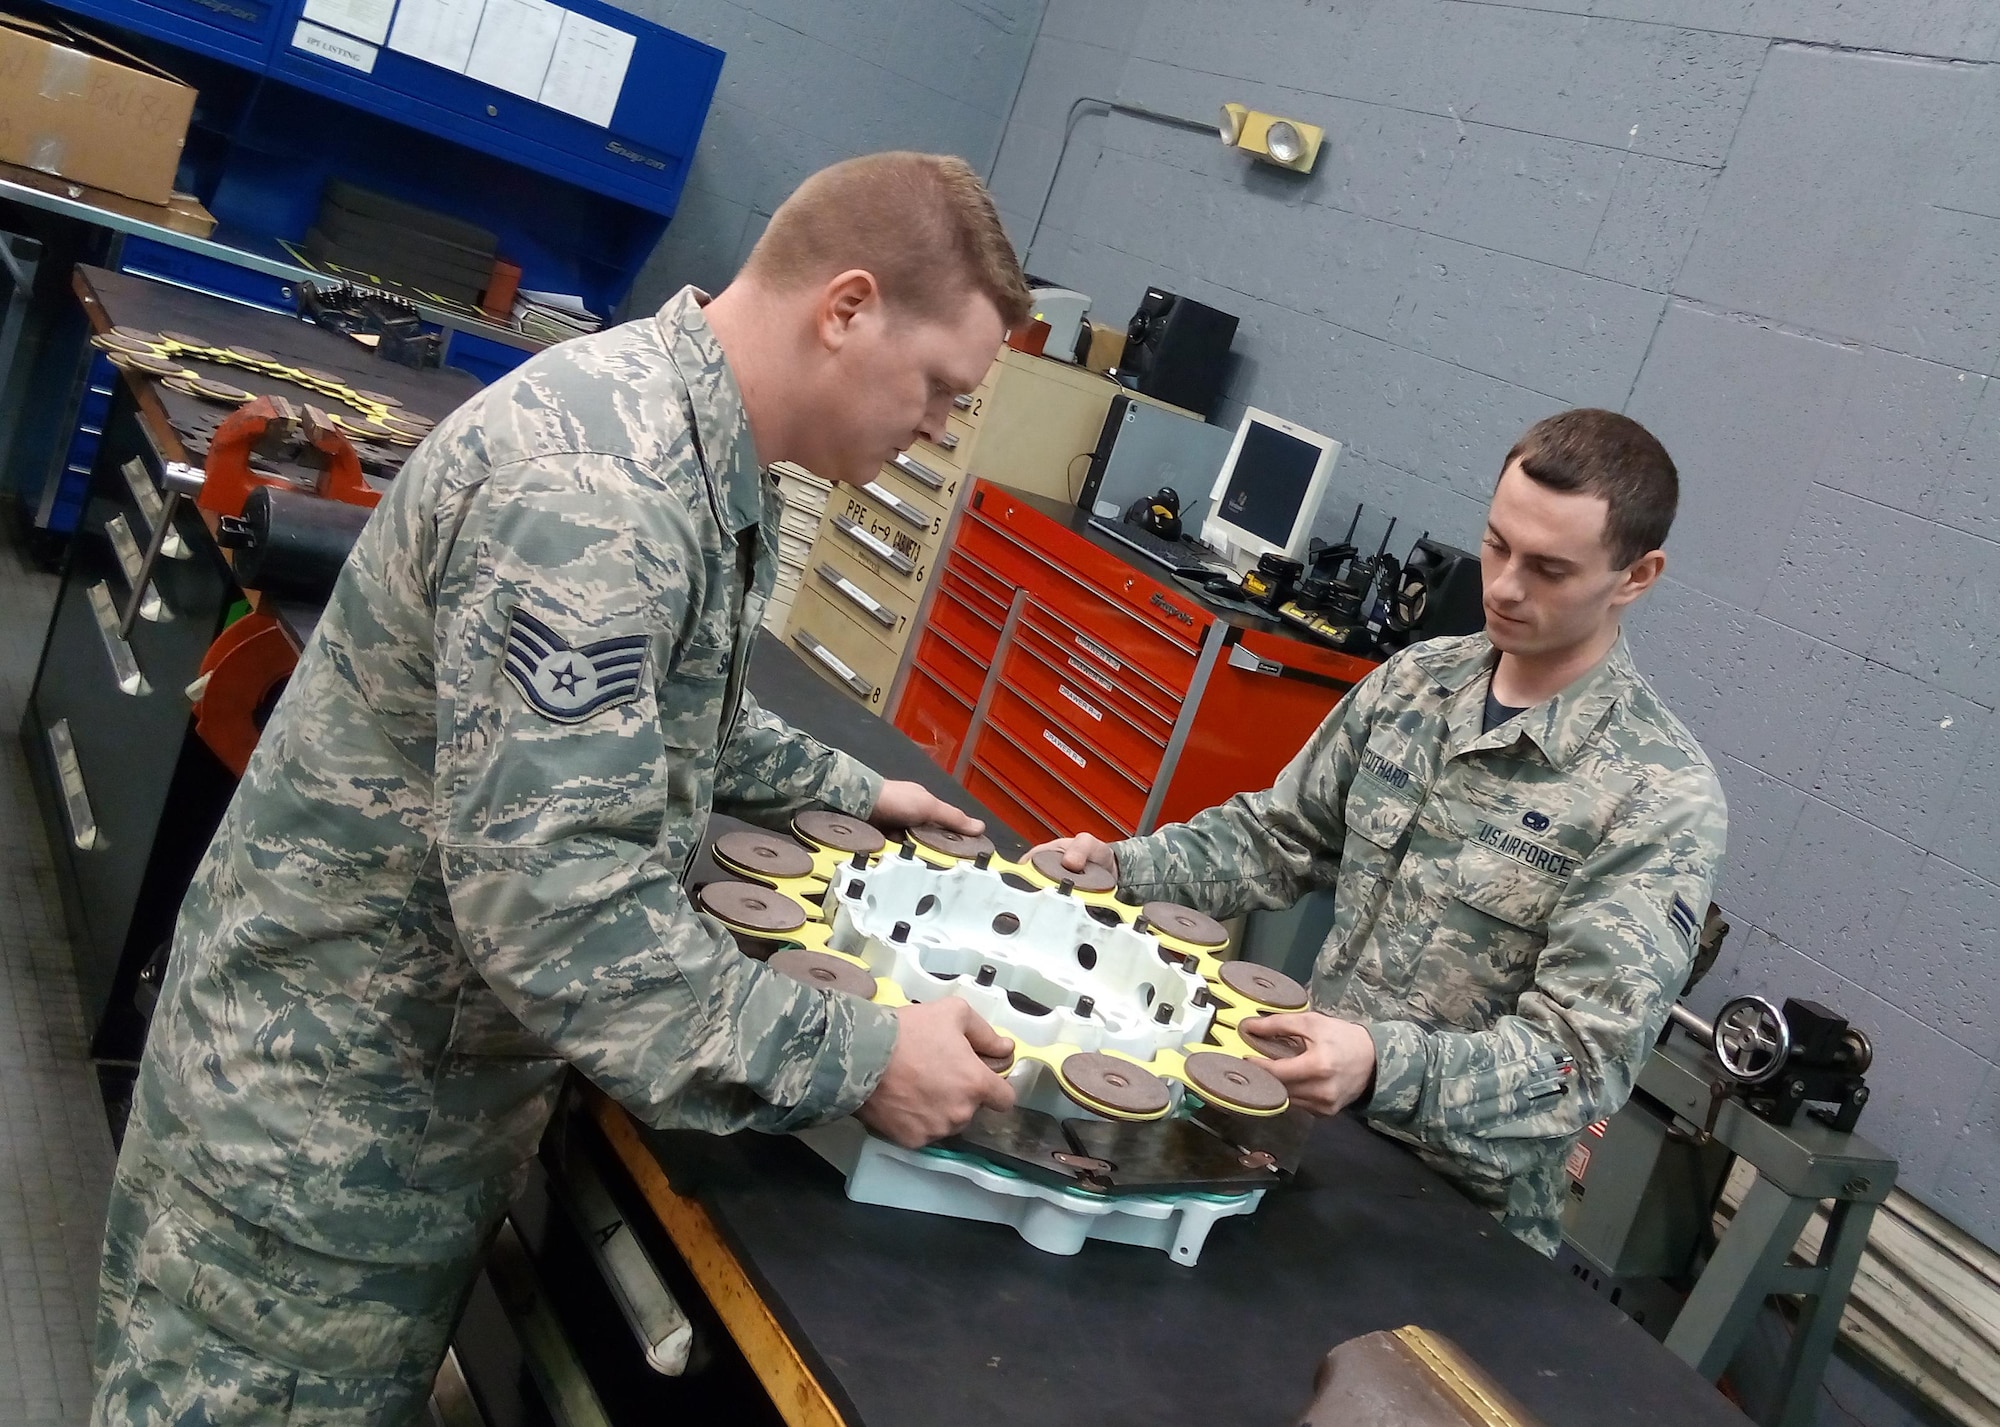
(1176, 555)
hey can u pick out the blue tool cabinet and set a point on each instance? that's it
(578, 206)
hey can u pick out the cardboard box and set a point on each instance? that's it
(81, 108)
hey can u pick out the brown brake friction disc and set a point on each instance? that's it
(221, 393)
(827, 973)
(746, 907)
(761, 854)
(1185, 924)
(1093, 878)
(1264, 986)
(946, 843)
(1272, 1047)
(838, 832)
(1235, 1083)
(1113, 1087)
(123, 346)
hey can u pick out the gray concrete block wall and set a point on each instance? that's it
(1768, 228)
(807, 83)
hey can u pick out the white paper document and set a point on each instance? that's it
(516, 38)
(588, 69)
(438, 32)
(364, 19)
(316, 39)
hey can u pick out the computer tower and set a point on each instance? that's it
(1176, 350)
(1438, 593)
(1144, 447)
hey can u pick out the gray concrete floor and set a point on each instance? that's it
(55, 1148)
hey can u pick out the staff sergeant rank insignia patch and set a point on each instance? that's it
(569, 683)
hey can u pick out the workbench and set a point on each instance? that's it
(880, 1317)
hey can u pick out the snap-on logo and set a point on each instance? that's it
(633, 155)
(1172, 611)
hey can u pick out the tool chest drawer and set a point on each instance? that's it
(933, 715)
(109, 714)
(857, 589)
(964, 617)
(1141, 647)
(240, 32)
(1143, 701)
(993, 595)
(889, 546)
(1068, 761)
(927, 481)
(1094, 574)
(1025, 780)
(1007, 804)
(635, 142)
(840, 650)
(1082, 708)
(951, 664)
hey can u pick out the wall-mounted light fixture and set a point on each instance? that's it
(1288, 143)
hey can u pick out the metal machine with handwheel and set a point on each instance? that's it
(1777, 1060)
(1645, 1183)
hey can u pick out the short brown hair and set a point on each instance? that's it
(923, 224)
(1605, 454)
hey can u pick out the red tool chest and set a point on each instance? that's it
(1072, 691)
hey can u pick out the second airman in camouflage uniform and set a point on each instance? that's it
(1519, 881)
(1514, 913)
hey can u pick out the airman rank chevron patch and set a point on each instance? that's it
(1685, 921)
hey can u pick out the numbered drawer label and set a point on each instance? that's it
(901, 561)
(928, 477)
(856, 596)
(910, 513)
(833, 664)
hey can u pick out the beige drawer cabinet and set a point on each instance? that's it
(1032, 425)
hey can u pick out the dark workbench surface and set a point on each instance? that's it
(113, 299)
(122, 300)
(909, 1318)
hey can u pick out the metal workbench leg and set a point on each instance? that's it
(1748, 1264)
(1819, 1314)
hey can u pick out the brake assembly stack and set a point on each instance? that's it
(1143, 1113)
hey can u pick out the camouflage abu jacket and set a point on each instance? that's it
(455, 861)
(1514, 911)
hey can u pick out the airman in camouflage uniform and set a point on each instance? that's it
(1520, 836)
(1515, 910)
(454, 867)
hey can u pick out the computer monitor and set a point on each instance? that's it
(1268, 493)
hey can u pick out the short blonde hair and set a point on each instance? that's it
(922, 224)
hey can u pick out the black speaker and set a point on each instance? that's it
(1438, 593)
(1176, 349)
